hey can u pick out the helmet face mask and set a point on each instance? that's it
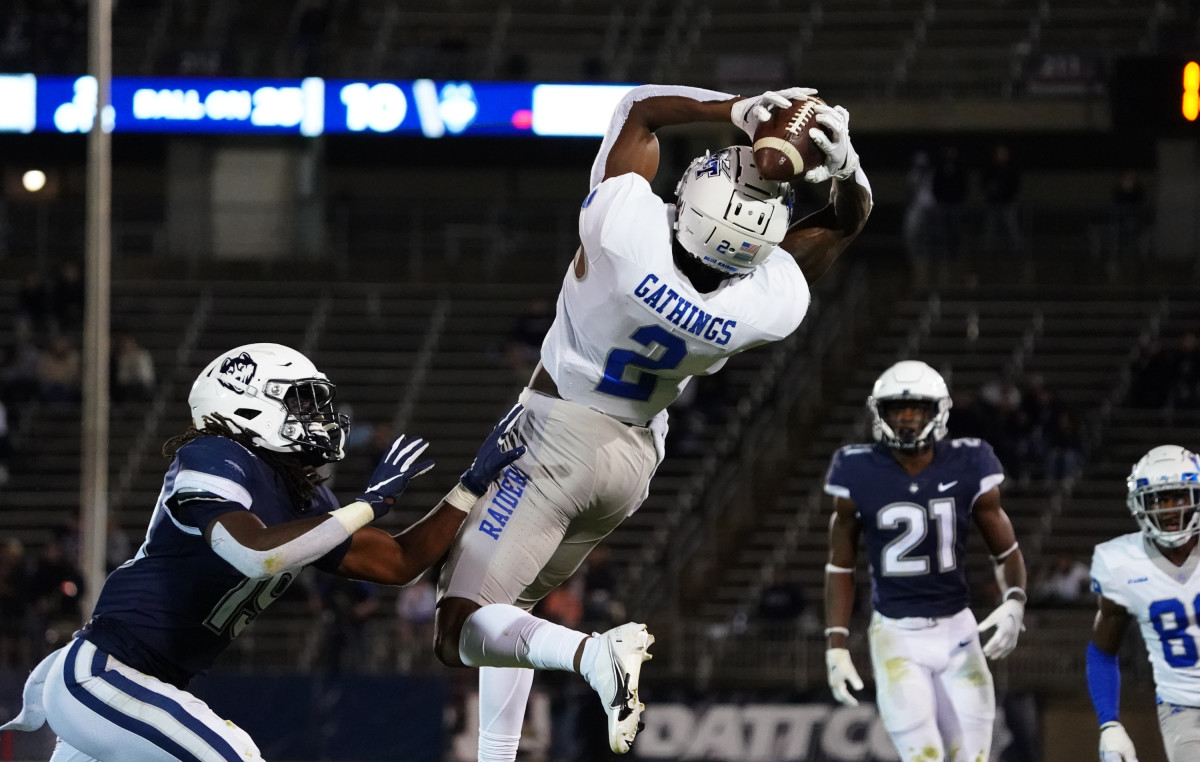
(909, 406)
(1164, 495)
(275, 395)
(728, 216)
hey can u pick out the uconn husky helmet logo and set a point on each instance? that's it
(238, 369)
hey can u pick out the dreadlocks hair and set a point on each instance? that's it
(301, 479)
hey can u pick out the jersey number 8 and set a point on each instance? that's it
(1170, 620)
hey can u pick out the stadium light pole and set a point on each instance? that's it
(94, 477)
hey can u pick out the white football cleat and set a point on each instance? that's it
(615, 672)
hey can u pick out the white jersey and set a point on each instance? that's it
(631, 332)
(1132, 573)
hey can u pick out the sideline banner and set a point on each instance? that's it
(746, 730)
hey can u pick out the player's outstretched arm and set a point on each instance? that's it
(817, 240)
(258, 551)
(1104, 680)
(844, 529)
(630, 144)
(376, 556)
(1008, 618)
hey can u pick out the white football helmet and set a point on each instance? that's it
(727, 214)
(276, 395)
(1164, 493)
(909, 380)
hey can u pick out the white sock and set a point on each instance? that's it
(503, 694)
(499, 635)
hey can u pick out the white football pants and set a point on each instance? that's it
(106, 711)
(933, 686)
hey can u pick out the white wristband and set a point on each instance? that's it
(838, 630)
(461, 498)
(831, 569)
(354, 516)
(1015, 591)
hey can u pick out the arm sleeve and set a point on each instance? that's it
(1104, 683)
(621, 113)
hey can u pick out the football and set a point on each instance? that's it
(783, 149)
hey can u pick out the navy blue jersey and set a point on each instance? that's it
(176, 605)
(916, 527)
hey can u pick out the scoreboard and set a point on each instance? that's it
(310, 107)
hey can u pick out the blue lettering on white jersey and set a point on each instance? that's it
(683, 313)
(172, 609)
(916, 527)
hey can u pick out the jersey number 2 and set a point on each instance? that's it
(640, 389)
(895, 560)
(1170, 620)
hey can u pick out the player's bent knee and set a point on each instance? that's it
(448, 624)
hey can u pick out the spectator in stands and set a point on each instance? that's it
(19, 371)
(56, 589)
(1186, 392)
(780, 607)
(1001, 214)
(59, 371)
(68, 297)
(14, 604)
(918, 217)
(1000, 399)
(950, 194)
(132, 370)
(1065, 583)
(523, 347)
(342, 608)
(1153, 375)
(1131, 218)
(415, 607)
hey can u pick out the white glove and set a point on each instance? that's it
(1115, 745)
(841, 671)
(748, 112)
(1007, 619)
(841, 161)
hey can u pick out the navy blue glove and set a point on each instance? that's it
(496, 454)
(392, 474)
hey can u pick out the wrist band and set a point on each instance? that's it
(354, 517)
(1000, 557)
(1009, 593)
(837, 630)
(831, 569)
(461, 498)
